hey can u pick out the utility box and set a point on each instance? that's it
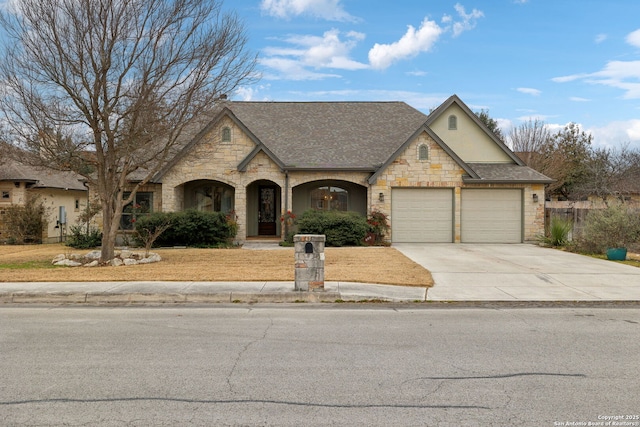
(309, 252)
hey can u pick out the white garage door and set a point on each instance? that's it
(422, 215)
(491, 216)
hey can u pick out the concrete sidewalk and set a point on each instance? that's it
(104, 293)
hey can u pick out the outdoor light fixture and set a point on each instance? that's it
(535, 198)
(381, 197)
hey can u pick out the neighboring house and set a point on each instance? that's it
(56, 190)
(441, 178)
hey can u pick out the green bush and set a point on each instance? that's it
(81, 237)
(340, 228)
(559, 230)
(616, 226)
(189, 228)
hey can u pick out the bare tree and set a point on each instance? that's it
(528, 140)
(532, 141)
(107, 88)
(611, 172)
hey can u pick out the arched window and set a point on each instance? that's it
(423, 152)
(453, 122)
(330, 199)
(212, 198)
(226, 134)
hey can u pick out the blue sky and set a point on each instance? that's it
(557, 60)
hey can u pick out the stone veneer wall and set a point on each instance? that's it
(212, 159)
(441, 171)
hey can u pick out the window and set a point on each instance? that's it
(77, 205)
(453, 122)
(6, 195)
(213, 198)
(226, 134)
(330, 199)
(143, 205)
(423, 152)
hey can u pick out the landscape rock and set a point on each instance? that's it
(58, 258)
(68, 263)
(92, 259)
(116, 262)
(93, 255)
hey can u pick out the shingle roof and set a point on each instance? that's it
(350, 135)
(42, 177)
(505, 172)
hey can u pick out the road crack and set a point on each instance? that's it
(244, 349)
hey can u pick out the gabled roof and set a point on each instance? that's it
(354, 136)
(41, 177)
(440, 142)
(329, 135)
(453, 99)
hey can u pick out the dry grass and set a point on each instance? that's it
(362, 264)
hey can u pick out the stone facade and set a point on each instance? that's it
(229, 156)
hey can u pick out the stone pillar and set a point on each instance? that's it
(309, 253)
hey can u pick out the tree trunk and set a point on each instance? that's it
(112, 212)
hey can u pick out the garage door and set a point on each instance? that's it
(422, 215)
(491, 216)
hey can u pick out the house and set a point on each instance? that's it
(62, 193)
(442, 177)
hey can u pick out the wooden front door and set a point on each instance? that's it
(267, 211)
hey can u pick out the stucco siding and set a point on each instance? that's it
(468, 141)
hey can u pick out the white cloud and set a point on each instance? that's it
(529, 91)
(247, 93)
(618, 74)
(600, 38)
(468, 20)
(634, 38)
(417, 73)
(411, 44)
(317, 52)
(578, 99)
(330, 10)
(617, 134)
(291, 70)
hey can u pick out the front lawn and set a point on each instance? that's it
(384, 265)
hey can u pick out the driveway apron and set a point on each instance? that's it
(512, 272)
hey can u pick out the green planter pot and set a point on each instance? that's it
(617, 254)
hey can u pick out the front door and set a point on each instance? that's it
(267, 211)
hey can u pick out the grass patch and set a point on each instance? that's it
(629, 261)
(27, 265)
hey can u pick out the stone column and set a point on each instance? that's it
(309, 258)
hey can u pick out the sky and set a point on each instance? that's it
(559, 61)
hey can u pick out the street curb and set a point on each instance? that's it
(138, 298)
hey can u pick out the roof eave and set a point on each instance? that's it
(470, 180)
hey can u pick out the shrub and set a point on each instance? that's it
(340, 228)
(616, 226)
(188, 228)
(559, 230)
(83, 235)
(84, 238)
(26, 223)
(378, 226)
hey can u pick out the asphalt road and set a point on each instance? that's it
(319, 365)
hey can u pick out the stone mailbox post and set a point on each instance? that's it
(309, 250)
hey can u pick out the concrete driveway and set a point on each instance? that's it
(511, 272)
